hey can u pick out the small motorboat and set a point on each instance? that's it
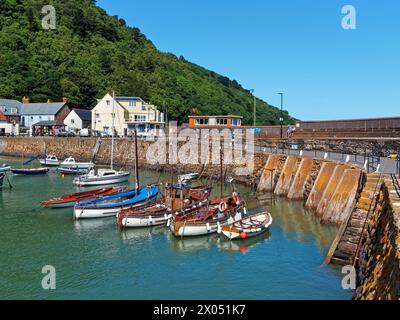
(29, 172)
(101, 177)
(70, 162)
(178, 200)
(50, 160)
(110, 206)
(220, 213)
(4, 168)
(72, 170)
(248, 227)
(184, 178)
(71, 199)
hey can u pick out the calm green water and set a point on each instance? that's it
(94, 260)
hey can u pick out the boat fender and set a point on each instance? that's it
(222, 206)
(236, 198)
(244, 211)
(169, 223)
(219, 229)
(208, 227)
(243, 235)
(165, 216)
(151, 219)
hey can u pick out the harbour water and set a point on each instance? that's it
(95, 260)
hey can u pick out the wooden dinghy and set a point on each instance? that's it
(71, 199)
(248, 227)
(219, 214)
(179, 199)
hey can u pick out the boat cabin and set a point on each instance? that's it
(179, 196)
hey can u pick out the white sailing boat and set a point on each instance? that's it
(104, 176)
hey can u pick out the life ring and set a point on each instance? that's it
(236, 198)
(223, 206)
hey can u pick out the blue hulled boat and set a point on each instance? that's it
(109, 206)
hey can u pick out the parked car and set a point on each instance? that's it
(84, 133)
(105, 135)
(95, 133)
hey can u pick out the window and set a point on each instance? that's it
(140, 118)
(222, 121)
(132, 103)
(72, 121)
(235, 122)
(2, 109)
(200, 122)
(108, 102)
(143, 107)
(97, 115)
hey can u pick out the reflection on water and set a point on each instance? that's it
(95, 259)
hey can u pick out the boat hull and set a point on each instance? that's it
(100, 181)
(50, 163)
(5, 169)
(182, 229)
(29, 172)
(142, 222)
(97, 213)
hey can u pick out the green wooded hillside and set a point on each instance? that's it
(90, 53)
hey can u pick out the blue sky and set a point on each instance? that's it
(293, 46)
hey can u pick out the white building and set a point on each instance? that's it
(130, 113)
(78, 119)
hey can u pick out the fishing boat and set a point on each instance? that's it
(178, 200)
(72, 170)
(102, 177)
(109, 206)
(70, 162)
(219, 214)
(28, 172)
(50, 160)
(248, 227)
(71, 199)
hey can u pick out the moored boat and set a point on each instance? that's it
(101, 177)
(178, 200)
(184, 178)
(28, 172)
(248, 227)
(70, 162)
(71, 199)
(109, 206)
(213, 219)
(50, 160)
(72, 170)
(4, 168)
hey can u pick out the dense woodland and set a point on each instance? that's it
(90, 53)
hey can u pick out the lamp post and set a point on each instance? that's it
(281, 117)
(252, 91)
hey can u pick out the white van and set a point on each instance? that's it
(84, 133)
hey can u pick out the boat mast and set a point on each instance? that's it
(136, 161)
(222, 172)
(112, 133)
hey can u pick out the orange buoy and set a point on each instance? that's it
(243, 235)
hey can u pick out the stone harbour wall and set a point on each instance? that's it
(378, 265)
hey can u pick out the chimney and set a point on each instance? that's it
(25, 100)
(65, 100)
